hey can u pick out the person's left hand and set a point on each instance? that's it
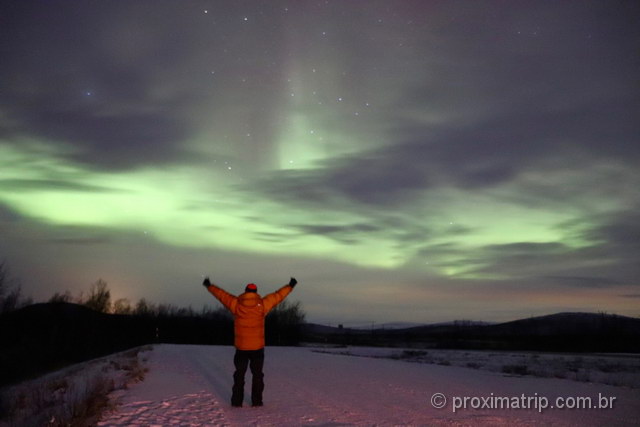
(206, 283)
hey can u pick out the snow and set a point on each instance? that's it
(191, 385)
(611, 369)
(59, 397)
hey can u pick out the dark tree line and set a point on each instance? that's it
(36, 338)
(99, 299)
(283, 325)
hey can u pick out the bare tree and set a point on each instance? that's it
(4, 278)
(122, 306)
(99, 297)
(143, 308)
(11, 301)
(10, 291)
(284, 323)
(289, 313)
(58, 297)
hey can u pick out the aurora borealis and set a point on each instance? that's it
(406, 160)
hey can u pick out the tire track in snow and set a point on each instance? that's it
(193, 409)
(172, 394)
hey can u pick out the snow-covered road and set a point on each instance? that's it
(191, 385)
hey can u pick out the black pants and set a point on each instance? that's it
(255, 360)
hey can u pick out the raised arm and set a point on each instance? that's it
(271, 300)
(228, 300)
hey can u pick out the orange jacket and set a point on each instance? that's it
(249, 310)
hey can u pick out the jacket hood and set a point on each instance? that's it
(249, 299)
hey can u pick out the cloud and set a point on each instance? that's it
(139, 84)
(580, 282)
(116, 142)
(619, 231)
(486, 155)
(347, 234)
(80, 241)
(128, 89)
(8, 215)
(607, 258)
(20, 185)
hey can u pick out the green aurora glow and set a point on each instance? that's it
(380, 148)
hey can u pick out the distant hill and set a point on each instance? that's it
(316, 328)
(569, 324)
(556, 332)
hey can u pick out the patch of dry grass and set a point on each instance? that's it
(75, 396)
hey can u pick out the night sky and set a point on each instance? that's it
(416, 161)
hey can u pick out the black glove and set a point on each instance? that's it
(293, 282)
(206, 283)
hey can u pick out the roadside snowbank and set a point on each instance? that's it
(71, 395)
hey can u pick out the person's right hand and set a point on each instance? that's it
(206, 283)
(293, 282)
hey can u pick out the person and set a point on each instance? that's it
(249, 310)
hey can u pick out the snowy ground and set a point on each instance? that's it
(72, 395)
(190, 386)
(610, 369)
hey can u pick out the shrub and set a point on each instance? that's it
(515, 369)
